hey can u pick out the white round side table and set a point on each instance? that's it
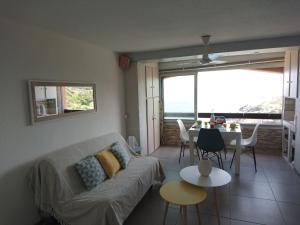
(216, 178)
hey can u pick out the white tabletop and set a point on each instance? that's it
(216, 178)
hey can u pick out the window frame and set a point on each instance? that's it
(196, 114)
(177, 74)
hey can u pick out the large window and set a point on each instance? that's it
(240, 91)
(178, 95)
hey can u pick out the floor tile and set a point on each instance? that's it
(208, 206)
(152, 216)
(282, 176)
(248, 173)
(273, 162)
(167, 152)
(286, 192)
(255, 210)
(248, 188)
(171, 175)
(239, 222)
(206, 219)
(290, 213)
(170, 165)
(150, 211)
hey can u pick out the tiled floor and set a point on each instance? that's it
(271, 196)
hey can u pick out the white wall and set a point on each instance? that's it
(31, 53)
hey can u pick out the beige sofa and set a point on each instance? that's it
(59, 191)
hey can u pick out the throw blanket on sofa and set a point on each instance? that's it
(58, 190)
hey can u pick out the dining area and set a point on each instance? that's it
(231, 153)
(205, 141)
(224, 197)
(213, 138)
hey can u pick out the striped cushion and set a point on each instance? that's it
(90, 171)
(121, 154)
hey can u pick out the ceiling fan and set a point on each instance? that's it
(207, 57)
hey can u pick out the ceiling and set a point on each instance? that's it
(228, 59)
(137, 25)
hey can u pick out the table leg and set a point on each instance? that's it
(237, 154)
(216, 204)
(181, 214)
(191, 146)
(198, 213)
(166, 212)
(184, 215)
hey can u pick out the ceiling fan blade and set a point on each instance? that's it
(213, 56)
(187, 63)
(218, 61)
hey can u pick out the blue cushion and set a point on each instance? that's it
(121, 154)
(137, 149)
(90, 171)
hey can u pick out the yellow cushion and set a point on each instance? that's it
(109, 162)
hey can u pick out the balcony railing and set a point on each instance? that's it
(273, 116)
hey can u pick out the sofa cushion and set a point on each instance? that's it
(121, 154)
(90, 171)
(109, 162)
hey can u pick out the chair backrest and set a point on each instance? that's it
(210, 140)
(253, 138)
(184, 136)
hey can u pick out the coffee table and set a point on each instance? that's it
(216, 178)
(183, 194)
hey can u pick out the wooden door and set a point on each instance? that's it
(293, 73)
(286, 82)
(149, 82)
(150, 128)
(155, 76)
(156, 122)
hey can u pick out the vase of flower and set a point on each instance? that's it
(204, 167)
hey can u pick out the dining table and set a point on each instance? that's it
(227, 133)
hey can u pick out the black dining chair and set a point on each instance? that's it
(211, 141)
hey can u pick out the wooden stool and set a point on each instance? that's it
(182, 194)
